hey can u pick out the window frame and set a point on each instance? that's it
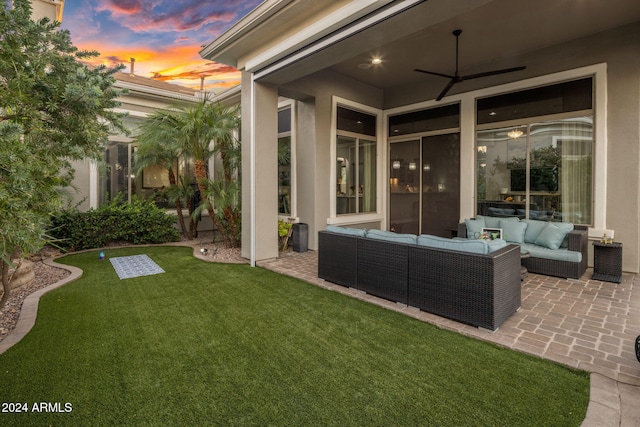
(356, 218)
(600, 141)
(290, 104)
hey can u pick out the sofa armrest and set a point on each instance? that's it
(462, 230)
(578, 240)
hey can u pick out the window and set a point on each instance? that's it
(117, 172)
(285, 162)
(541, 168)
(429, 120)
(356, 162)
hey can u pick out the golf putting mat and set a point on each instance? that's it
(127, 267)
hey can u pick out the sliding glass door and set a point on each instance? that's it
(424, 185)
(404, 187)
(440, 184)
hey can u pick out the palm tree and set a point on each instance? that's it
(206, 129)
(183, 191)
(158, 146)
(201, 131)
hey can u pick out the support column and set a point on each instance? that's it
(259, 170)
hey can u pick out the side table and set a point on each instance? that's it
(607, 262)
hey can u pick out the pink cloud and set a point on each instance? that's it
(163, 15)
(127, 7)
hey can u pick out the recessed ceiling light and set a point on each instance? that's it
(376, 61)
(364, 65)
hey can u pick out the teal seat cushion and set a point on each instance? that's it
(513, 231)
(553, 254)
(553, 234)
(476, 246)
(359, 232)
(392, 237)
(493, 221)
(474, 227)
(494, 245)
(534, 228)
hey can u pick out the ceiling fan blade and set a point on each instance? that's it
(434, 73)
(492, 73)
(446, 89)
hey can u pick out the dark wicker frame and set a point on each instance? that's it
(607, 262)
(480, 290)
(578, 241)
(338, 258)
(383, 269)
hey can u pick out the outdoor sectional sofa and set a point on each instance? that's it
(550, 248)
(480, 289)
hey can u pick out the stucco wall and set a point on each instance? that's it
(80, 190)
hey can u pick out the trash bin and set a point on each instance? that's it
(300, 237)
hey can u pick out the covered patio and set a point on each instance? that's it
(585, 324)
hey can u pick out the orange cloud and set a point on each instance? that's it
(153, 64)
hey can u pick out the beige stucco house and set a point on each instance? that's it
(335, 84)
(52, 9)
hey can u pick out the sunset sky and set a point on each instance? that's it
(164, 36)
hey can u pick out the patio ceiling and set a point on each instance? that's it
(496, 34)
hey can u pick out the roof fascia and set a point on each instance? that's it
(333, 22)
(244, 26)
(263, 65)
(231, 95)
(150, 92)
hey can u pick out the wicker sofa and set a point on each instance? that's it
(567, 261)
(482, 290)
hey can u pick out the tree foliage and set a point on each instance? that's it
(200, 131)
(156, 148)
(53, 110)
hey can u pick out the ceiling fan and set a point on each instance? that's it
(457, 78)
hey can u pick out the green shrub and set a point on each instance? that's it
(137, 222)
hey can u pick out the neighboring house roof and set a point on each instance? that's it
(145, 84)
(145, 95)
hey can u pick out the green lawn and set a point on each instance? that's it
(216, 344)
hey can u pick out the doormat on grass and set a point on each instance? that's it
(127, 267)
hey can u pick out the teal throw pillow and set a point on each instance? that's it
(474, 228)
(534, 228)
(513, 231)
(553, 234)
